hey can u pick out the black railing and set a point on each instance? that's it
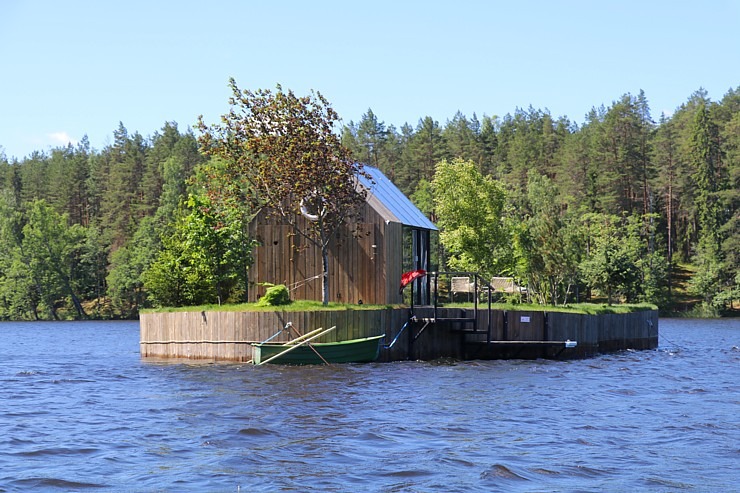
(470, 283)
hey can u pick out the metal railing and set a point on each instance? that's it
(464, 282)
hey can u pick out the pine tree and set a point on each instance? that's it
(705, 158)
(730, 198)
(120, 207)
(427, 147)
(462, 139)
(489, 144)
(666, 181)
(372, 136)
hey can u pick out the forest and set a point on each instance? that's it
(615, 209)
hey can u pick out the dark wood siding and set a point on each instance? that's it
(364, 260)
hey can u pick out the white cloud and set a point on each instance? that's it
(61, 138)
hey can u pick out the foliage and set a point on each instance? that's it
(470, 208)
(712, 276)
(204, 260)
(683, 172)
(127, 265)
(282, 154)
(547, 244)
(276, 295)
(423, 198)
(77, 223)
(19, 299)
(619, 263)
(700, 310)
(48, 256)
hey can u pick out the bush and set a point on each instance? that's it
(275, 295)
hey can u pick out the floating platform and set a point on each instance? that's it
(430, 334)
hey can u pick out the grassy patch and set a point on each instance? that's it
(295, 306)
(583, 308)
(309, 306)
(699, 310)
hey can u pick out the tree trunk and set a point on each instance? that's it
(325, 275)
(75, 300)
(324, 235)
(77, 304)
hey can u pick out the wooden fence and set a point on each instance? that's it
(227, 336)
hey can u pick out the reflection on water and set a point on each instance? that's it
(80, 411)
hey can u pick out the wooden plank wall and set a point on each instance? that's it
(526, 326)
(361, 257)
(393, 262)
(584, 329)
(226, 336)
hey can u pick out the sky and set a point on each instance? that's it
(73, 68)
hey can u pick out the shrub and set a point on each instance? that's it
(275, 295)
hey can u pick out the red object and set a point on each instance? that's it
(409, 276)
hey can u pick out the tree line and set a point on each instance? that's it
(613, 203)
(610, 205)
(79, 226)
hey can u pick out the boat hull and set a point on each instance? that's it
(352, 351)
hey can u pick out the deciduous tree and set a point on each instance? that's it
(51, 250)
(284, 149)
(547, 245)
(470, 209)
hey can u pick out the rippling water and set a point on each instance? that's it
(79, 411)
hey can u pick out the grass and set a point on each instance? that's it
(305, 306)
(582, 308)
(295, 306)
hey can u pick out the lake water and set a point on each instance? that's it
(80, 411)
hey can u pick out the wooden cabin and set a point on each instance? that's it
(366, 258)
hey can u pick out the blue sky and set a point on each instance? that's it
(74, 68)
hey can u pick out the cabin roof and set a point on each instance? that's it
(391, 203)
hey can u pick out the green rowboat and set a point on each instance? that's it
(351, 351)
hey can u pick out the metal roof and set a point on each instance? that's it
(391, 203)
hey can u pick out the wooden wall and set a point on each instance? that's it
(393, 263)
(226, 336)
(365, 261)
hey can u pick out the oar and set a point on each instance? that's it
(318, 353)
(304, 336)
(305, 341)
(290, 329)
